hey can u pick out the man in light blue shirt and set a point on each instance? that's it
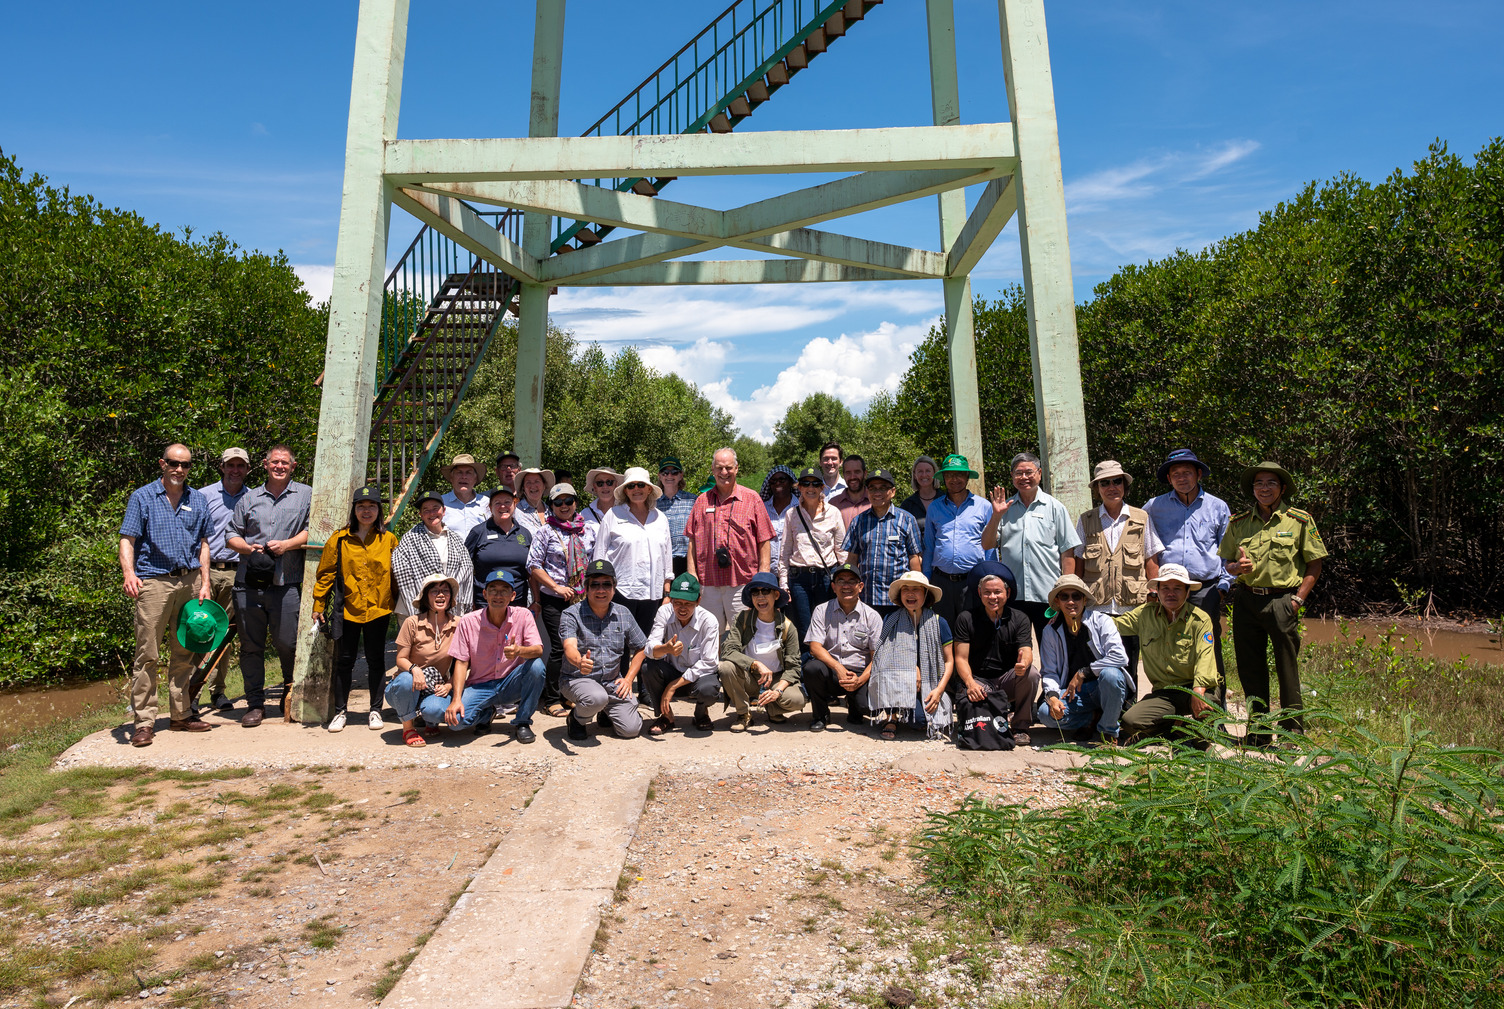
(1190, 523)
(1034, 535)
(953, 536)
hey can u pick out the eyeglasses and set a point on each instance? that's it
(764, 590)
(1070, 597)
(600, 584)
(178, 463)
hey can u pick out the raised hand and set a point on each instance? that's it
(587, 664)
(1000, 498)
(675, 646)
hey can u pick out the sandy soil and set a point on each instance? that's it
(794, 888)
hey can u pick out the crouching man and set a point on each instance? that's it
(1177, 651)
(498, 660)
(684, 648)
(1083, 665)
(603, 653)
(842, 640)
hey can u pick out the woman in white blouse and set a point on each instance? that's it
(634, 537)
(812, 536)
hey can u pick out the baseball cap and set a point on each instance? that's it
(502, 575)
(601, 567)
(880, 474)
(234, 453)
(686, 586)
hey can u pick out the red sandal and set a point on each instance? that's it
(412, 737)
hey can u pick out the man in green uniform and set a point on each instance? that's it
(1176, 647)
(1275, 553)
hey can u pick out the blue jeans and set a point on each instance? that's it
(1105, 694)
(808, 588)
(522, 688)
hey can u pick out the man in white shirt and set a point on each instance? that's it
(684, 648)
(464, 506)
(830, 468)
(842, 639)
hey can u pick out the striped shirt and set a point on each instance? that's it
(885, 546)
(167, 538)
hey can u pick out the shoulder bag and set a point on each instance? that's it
(333, 624)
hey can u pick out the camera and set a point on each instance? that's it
(723, 557)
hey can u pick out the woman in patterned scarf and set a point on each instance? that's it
(557, 559)
(913, 663)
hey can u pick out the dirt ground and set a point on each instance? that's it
(257, 890)
(798, 889)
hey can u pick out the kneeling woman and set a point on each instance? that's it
(760, 656)
(913, 662)
(424, 667)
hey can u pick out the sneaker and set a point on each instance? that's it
(374, 722)
(741, 721)
(575, 730)
(337, 723)
(602, 720)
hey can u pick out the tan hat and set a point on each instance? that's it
(546, 474)
(435, 579)
(234, 453)
(1107, 469)
(465, 459)
(599, 471)
(1174, 573)
(1070, 582)
(636, 474)
(565, 489)
(913, 578)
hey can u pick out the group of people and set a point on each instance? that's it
(966, 617)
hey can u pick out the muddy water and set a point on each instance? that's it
(30, 707)
(1447, 645)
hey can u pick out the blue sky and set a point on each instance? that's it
(1179, 123)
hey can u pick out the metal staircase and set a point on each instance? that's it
(443, 306)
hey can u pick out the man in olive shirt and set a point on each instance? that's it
(1276, 554)
(1176, 645)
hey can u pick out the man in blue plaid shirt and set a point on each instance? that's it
(164, 562)
(883, 542)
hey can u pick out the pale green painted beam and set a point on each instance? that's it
(355, 299)
(1059, 406)
(988, 218)
(945, 107)
(978, 147)
(470, 231)
(588, 265)
(830, 247)
(532, 328)
(739, 271)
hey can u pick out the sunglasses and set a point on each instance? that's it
(811, 483)
(600, 584)
(605, 483)
(1115, 481)
(565, 501)
(636, 486)
(1070, 597)
(764, 590)
(178, 463)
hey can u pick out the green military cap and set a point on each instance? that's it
(1268, 467)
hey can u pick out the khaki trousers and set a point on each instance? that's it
(157, 609)
(741, 686)
(222, 591)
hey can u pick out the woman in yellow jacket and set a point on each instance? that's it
(363, 553)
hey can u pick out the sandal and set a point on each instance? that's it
(889, 730)
(412, 737)
(702, 718)
(660, 725)
(556, 710)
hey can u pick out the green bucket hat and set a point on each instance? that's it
(202, 625)
(956, 464)
(1269, 467)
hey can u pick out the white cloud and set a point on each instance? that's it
(1149, 176)
(702, 362)
(852, 368)
(666, 315)
(319, 280)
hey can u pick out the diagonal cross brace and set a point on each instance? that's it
(988, 218)
(451, 218)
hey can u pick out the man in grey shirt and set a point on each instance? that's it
(842, 639)
(684, 649)
(603, 652)
(268, 531)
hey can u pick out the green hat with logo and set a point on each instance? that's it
(1269, 467)
(955, 463)
(686, 586)
(202, 625)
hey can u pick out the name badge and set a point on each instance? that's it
(710, 510)
(893, 539)
(491, 536)
(186, 508)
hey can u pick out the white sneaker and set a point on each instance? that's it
(373, 720)
(337, 723)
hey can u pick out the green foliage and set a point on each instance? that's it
(117, 338)
(1354, 335)
(1349, 871)
(597, 411)
(877, 436)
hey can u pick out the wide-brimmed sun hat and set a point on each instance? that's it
(954, 463)
(637, 474)
(436, 579)
(465, 459)
(1178, 456)
(1070, 582)
(522, 475)
(202, 625)
(763, 580)
(1174, 573)
(1268, 467)
(913, 578)
(599, 471)
(1109, 468)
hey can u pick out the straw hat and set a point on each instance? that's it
(465, 459)
(637, 474)
(599, 471)
(913, 578)
(546, 474)
(435, 579)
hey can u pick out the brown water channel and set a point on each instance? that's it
(30, 707)
(1446, 645)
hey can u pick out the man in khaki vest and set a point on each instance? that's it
(1119, 551)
